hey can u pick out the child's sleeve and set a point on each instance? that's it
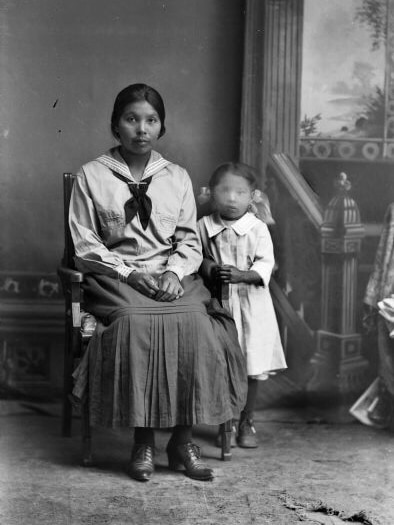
(264, 260)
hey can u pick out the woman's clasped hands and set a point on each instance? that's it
(165, 288)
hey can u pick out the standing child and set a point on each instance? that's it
(237, 249)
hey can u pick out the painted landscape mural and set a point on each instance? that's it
(346, 96)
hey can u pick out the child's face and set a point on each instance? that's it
(232, 196)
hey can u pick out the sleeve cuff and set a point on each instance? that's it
(123, 272)
(264, 274)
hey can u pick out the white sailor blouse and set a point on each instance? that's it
(247, 245)
(105, 243)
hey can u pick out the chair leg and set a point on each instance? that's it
(225, 429)
(87, 459)
(66, 416)
(67, 384)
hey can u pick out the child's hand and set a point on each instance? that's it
(229, 274)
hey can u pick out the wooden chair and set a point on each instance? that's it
(75, 342)
(76, 339)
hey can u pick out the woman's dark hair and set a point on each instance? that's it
(137, 93)
(237, 168)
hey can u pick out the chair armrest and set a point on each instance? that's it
(70, 275)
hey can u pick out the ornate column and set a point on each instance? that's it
(271, 80)
(338, 366)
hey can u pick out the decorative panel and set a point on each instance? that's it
(31, 334)
(27, 286)
(24, 362)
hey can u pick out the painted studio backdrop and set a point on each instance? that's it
(302, 90)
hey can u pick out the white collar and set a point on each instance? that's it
(215, 225)
(114, 161)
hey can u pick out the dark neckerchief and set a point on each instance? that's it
(140, 202)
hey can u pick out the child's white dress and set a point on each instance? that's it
(247, 245)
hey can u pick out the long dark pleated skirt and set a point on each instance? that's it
(156, 364)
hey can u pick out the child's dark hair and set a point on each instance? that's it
(237, 168)
(137, 93)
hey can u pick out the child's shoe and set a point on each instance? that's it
(233, 442)
(247, 436)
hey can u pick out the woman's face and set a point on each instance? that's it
(138, 128)
(232, 196)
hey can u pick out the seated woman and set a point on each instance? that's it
(157, 359)
(381, 287)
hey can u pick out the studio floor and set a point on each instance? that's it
(307, 469)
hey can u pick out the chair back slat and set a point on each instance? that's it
(68, 257)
